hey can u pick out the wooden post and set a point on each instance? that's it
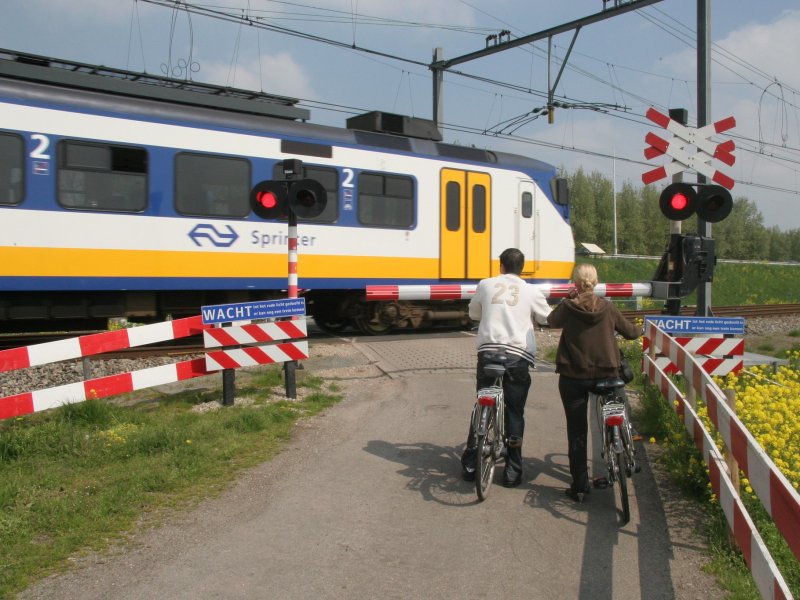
(690, 397)
(733, 466)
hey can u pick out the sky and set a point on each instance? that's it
(346, 57)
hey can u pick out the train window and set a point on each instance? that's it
(452, 210)
(212, 186)
(395, 142)
(329, 178)
(12, 160)
(478, 209)
(306, 149)
(527, 205)
(102, 177)
(385, 200)
(466, 153)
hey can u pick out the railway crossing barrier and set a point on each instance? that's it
(242, 346)
(467, 290)
(711, 343)
(231, 330)
(91, 345)
(102, 387)
(717, 355)
(774, 491)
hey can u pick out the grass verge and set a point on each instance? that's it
(77, 478)
(656, 419)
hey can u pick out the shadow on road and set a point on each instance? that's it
(604, 531)
(435, 472)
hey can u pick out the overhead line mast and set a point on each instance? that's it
(439, 66)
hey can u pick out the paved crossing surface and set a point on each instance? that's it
(367, 502)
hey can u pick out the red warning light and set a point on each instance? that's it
(267, 199)
(679, 201)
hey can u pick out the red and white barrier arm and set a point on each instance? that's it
(109, 341)
(775, 492)
(102, 387)
(765, 572)
(467, 290)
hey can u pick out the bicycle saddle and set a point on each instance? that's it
(606, 385)
(495, 365)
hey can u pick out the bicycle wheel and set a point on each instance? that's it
(622, 478)
(486, 457)
(631, 465)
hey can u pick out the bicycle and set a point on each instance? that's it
(488, 416)
(617, 449)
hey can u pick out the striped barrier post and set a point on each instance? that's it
(251, 348)
(774, 491)
(717, 355)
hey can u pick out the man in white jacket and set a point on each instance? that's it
(507, 308)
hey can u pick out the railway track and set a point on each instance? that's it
(749, 310)
(182, 347)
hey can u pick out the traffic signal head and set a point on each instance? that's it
(677, 201)
(714, 203)
(268, 199)
(273, 199)
(307, 198)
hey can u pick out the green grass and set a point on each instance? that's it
(734, 284)
(77, 478)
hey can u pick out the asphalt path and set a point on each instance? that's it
(367, 502)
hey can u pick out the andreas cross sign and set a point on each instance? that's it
(676, 148)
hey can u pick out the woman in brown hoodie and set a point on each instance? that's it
(587, 351)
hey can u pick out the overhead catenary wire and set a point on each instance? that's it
(616, 111)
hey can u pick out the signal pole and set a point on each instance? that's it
(673, 306)
(703, 109)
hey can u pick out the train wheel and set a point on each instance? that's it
(331, 326)
(365, 325)
(376, 318)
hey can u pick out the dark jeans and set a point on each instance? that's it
(574, 396)
(516, 383)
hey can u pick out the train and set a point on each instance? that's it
(124, 194)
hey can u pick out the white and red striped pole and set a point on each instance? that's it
(290, 366)
(292, 254)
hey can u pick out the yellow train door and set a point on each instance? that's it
(465, 225)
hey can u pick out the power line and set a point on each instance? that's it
(521, 120)
(261, 24)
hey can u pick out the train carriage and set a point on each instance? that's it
(128, 195)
